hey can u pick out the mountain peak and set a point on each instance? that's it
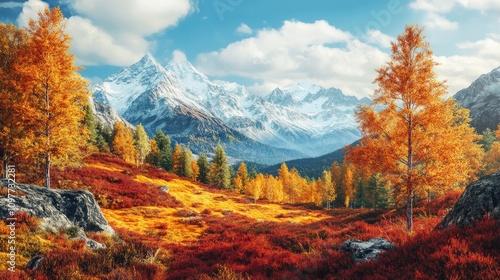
(147, 61)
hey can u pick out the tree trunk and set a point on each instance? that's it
(47, 170)
(409, 211)
(409, 182)
(47, 134)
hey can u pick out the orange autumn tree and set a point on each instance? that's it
(418, 140)
(12, 40)
(56, 95)
(123, 142)
(492, 158)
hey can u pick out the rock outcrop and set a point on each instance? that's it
(480, 200)
(367, 250)
(57, 209)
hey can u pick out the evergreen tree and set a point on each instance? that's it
(487, 139)
(142, 144)
(219, 171)
(104, 137)
(378, 194)
(90, 123)
(338, 184)
(360, 200)
(165, 146)
(204, 167)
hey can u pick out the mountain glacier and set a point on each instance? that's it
(298, 121)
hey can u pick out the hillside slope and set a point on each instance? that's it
(197, 232)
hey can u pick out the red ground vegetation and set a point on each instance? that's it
(234, 246)
(113, 190)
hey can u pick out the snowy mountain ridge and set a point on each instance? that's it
(306, 118)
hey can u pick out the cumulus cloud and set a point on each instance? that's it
(30, 11)
(112, 32)
(179, 57)
(461, 70)
(93, 45)
(441, 6)
(435, 10)
(444, 6)
(316, 52)
(436, 21)
(378, 38)
(244, 29)
(140, 17)
(10, 5)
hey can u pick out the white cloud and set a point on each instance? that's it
(179, 57)
(94, 46)
(461, 70)
(445, 6)
(244, 29)
(379, 38)
(10, 5)
(30, 11)
(435, 6)
(481, 5)
(316, 52)
(140, 17)
(436, 21)
(114, 32)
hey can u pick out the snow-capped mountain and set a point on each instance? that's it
(482, 98)
(301, 120)
(304, 117)
(106, 114)
(147, 93)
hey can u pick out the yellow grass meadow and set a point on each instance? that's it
(162, 222)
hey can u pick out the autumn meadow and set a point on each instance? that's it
(177, 215)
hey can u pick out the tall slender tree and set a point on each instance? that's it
(57, 93)
(204, 167)
(123, 142)
(219, 171)
(12, 40)
(177, 166)
(419, 140)
(142, 144)
(165, 147)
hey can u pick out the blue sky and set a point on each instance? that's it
(264, 44)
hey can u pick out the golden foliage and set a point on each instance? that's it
(50, 96)
(123, 143)
(418, 140)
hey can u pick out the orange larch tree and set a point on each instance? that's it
(123, 143)
(177, 160)
(56, 95)
(11, 103)
(492, 158)
(417, 139)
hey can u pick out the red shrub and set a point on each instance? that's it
(115, 190)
